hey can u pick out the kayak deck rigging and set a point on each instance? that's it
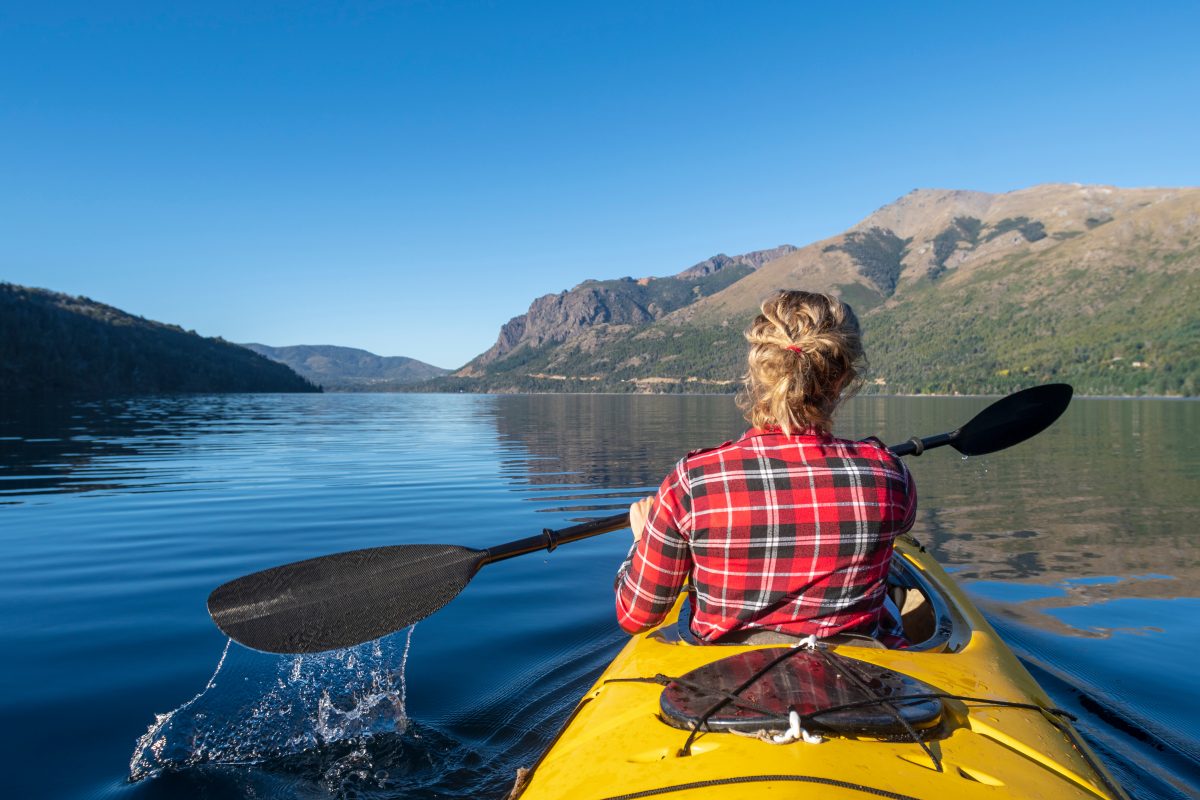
(996, 736)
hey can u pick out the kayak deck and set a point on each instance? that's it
(617, 745)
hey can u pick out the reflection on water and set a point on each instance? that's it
(1110, 490)
(118, 517)
(598, 440)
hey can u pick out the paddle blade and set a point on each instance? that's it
(1013, 419)
(343, 599)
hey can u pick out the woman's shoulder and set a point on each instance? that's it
(875, 449)
(704, 453)
(870, 443)
(872, 447)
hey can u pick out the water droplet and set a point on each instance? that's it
(283, 706)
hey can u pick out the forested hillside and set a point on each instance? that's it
(55, 343)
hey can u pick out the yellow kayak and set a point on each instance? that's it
(961, 718)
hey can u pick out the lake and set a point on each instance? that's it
(118, 517)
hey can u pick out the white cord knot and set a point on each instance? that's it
(808, 642)
(795, 732)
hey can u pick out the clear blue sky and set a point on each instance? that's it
(405, 177)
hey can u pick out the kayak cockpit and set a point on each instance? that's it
(928, 615)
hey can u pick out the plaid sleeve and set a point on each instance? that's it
(908, 488)
(653, 575)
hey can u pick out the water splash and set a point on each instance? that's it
(257, 707)
(151, 743)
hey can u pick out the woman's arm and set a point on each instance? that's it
(651, 578)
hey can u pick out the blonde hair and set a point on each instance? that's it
(805, 356)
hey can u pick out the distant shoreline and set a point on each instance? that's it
(7, 397)
(732, 394)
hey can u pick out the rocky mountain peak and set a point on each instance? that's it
(720, 261)
(554, 318)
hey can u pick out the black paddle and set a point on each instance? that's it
(350, 598)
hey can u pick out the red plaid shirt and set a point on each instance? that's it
(785, 533)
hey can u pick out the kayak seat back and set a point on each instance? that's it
(929, 617)
(745, 637)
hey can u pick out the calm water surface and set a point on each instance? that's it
(117, 519)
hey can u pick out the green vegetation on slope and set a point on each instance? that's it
(860, 297)
(963, 229)
(879, 254)
(1032, 230)
(55, 343)
(658, 358)
(1135, 333)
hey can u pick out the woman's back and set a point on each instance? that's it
(794, 533)
(777, 532)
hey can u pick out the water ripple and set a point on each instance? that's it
(119, 516)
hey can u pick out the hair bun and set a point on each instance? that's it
(800, 393)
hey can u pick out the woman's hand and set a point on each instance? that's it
(638, 512)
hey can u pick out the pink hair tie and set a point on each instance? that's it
(795, 348)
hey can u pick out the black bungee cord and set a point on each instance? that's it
(733, 697)
(883, 701)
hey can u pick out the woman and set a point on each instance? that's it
(787, 529)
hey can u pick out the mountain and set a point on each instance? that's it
(555, 318)
(958, 291)
(56, 343)
(348, 368)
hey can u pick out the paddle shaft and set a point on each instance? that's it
(917, 445)
(549, 539)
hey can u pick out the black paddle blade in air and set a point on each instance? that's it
(341, 600)
(1013, 419)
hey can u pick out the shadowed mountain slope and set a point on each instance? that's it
(55, 343)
